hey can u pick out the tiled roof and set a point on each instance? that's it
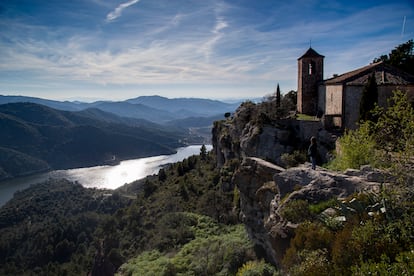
(384, 74)
(310, 53)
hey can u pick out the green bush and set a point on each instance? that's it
(404, 265)
(356, 148)
(296, 211)
(213, 249)
(257, 268)
(293, 159)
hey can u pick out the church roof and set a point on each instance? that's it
(311, 53)
(384, 74)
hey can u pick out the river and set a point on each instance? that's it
(108, 177)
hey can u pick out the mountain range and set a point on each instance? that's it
(39, 134)
(156, 109)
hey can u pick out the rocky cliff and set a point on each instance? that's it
(266, 188)
(250, 133)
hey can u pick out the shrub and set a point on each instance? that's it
(257, 268)
(296, 211)
(404, 265)
(357, 148)
(293, 159)
(308, 236)
(312, 262)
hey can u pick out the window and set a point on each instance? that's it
(311, 67)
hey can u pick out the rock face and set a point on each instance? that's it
(266, 188)
(245, 135)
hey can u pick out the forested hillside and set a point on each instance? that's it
(179, 221)
(35, 138)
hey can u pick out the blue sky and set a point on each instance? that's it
(115, 50)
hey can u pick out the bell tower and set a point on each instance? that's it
(310, 74)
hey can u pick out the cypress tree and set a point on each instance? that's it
(278, 96)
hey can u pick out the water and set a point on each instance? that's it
(108, 177)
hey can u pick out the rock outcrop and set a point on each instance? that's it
(245, 135)
(266, 188)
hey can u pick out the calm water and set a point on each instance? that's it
(109, 177)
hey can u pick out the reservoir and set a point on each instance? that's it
(108, 177)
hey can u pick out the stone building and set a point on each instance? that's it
(338, 98)
(310, 75)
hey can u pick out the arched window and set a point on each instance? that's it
(311, 67)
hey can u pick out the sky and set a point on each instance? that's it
(218, 49)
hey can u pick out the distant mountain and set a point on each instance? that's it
(36, 137)
(66, 105)
(192, 107)
(137, 111)
(156, 109)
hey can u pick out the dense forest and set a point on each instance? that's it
(61, 228)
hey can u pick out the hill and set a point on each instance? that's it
(42, 137)
(156, 109)
(186, 107)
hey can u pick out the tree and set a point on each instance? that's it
(368, 100)
(278, 97)
(401, 57)
(162, 176)
(289, 100)
(203, 152)
(395, 127)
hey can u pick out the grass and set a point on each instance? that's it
(305, 117)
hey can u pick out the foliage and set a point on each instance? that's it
(293, 159)
(312, 263)
(257, 268)
(203, 152)
(375, 243)
(369, 99)
(394, 130)
(404, 265)
(387, 143)
(215, 250)
(356, 148)
(72, 226)
(401, 57)
(275, 106)
(278, 96)
(322, 206)
(51, 227)
(296, 211)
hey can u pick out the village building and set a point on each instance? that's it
(336, 100)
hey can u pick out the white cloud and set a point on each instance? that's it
(207, 46)
(118, 10)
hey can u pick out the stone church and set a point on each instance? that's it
(337, 99)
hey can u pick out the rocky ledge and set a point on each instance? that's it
(266, 188)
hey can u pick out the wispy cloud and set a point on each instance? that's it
(203, 44)
(118, 10)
